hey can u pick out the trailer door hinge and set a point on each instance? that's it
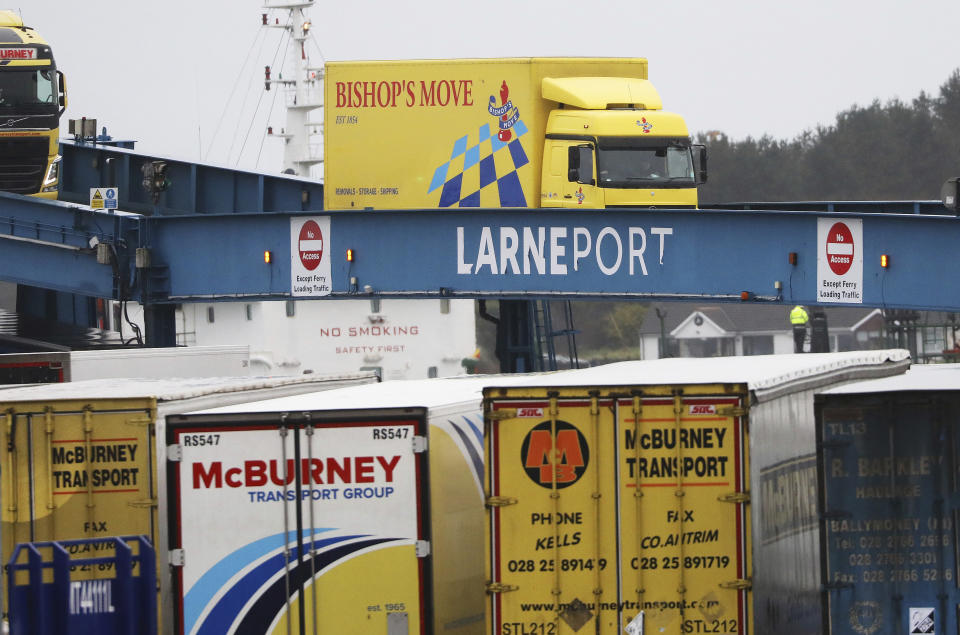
(176, 557)
(732, 411)
(175, 453)
(734, 497)
(143, 503)
(139, 421)
(739, 584)
(497, 587)
(419, 444)
(500, 501)
(503, 413)
(423, 548)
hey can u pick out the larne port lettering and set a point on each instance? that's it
(528, 250)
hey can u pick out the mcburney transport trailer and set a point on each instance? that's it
(682, 489)
(889, 496)
(350, 511)
(86, 459)
(523, 132)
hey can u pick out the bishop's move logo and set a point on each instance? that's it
(506, 113)
(569, 461)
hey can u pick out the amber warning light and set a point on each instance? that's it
(267, 257)
(349, 255)
(884, 261)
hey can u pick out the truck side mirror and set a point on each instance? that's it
(62, 98)
(702, 167)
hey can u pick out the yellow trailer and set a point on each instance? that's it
(622, 493)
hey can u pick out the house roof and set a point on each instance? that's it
(740, 318)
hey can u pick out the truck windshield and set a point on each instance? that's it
(624, 166)
(27, 90)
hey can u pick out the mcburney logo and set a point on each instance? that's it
(505, 112)
(328, 471)
(18, 54)
(570, 455)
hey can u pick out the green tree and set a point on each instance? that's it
(883, 151)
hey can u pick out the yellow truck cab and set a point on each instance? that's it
(611, 145)
(503, 133)
(32, 98)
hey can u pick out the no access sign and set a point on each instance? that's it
(840, 260)
(310, 245)
(310, 256)
(841, 248)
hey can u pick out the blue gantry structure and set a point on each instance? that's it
(188, 232)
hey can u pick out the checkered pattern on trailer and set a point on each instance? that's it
(475, 169)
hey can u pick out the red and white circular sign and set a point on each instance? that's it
(311, 245)
(840, 248)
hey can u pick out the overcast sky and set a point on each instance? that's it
(163, 72)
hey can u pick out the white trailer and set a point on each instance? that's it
(357, 510)
(148, 363)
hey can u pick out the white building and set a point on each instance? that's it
(691, 330)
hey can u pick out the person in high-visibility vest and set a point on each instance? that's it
(799, 319)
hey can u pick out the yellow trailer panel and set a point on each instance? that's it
(606, 502)
(74, 469)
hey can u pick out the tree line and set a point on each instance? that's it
(884, 151)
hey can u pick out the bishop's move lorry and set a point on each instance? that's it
(677, 492)
(888, 464)
(33, 95)
(87, 459)
(374, 527)
(528, 132)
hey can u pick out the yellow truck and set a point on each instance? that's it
(673, 496)
(528, 132)
(33, 95)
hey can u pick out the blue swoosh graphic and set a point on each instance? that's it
(272, 600)
(476, 459)
(477, 432)
(200, 594)
(230, 605)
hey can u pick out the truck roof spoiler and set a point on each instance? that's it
(10, 19)
(599, 93)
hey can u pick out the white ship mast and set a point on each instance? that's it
(304, 92)
(399, 339)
